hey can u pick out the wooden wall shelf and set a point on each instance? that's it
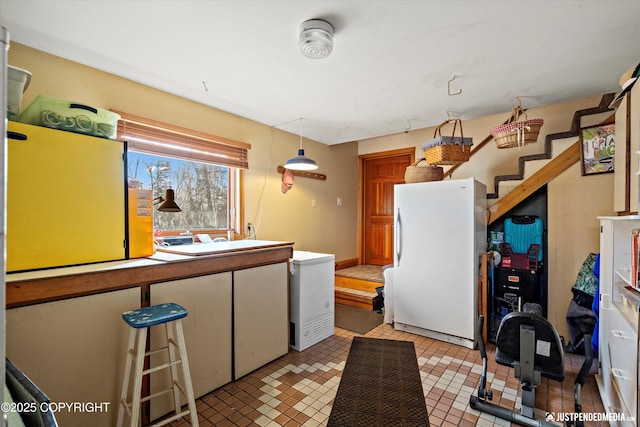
(305, 174)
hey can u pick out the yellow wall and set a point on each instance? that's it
(327, 228)
(574, 201)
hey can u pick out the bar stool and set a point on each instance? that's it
(140, 321)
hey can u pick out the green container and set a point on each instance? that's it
(71, 116)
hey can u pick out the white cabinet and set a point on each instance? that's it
(74, 350)
(237, 322)
(261, 316)
(207, 333)
(618, 324)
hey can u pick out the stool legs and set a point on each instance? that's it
(172, 344)
(141, 342)
(136, 356)
(122, 406)
(187, 376)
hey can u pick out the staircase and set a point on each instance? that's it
(356, 291)
(541, 168)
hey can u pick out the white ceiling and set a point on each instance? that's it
(389, 69)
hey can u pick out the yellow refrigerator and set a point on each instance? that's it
(66, 196)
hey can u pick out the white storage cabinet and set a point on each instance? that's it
(617, 376)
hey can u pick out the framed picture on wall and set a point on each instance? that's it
(597, 153)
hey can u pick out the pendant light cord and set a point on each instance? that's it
(301, 133)
(258, 214)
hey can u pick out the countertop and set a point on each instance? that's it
(199, 249)
(163, 255)
(80, 269)
(168, 263)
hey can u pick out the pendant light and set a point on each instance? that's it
(301, 162)
(168, 202)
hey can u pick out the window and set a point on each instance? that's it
(201, 189)
(203, 170)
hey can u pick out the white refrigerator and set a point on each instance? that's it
(440, 233)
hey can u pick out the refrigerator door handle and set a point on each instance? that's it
(398, 238)
(16, 135)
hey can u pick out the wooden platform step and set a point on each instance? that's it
(359, 284)
(355, 297)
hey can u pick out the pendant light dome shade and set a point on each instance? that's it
(301, 162)
(169, 204)
(316, 38)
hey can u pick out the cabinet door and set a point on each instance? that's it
(74, 350)
(261, 316)
(634, 136)
(140, 217)
(627, 159)
(621, 173)
(623, 345)
(207, 334)
(65, 199)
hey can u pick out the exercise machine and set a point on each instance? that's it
(529, 344)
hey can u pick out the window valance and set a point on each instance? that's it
(154, 137)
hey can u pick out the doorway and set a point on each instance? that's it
(379, 172)
(530, 286)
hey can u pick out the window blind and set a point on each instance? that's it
(154, 137)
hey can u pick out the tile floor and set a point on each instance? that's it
(298, 388)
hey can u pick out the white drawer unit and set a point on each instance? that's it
(623, 353)
(618, 324)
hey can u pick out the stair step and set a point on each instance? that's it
(561, 144)
(507, 186)
(354, 297)
(353, 283)
(531, 167)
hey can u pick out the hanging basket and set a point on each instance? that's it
(423, 173)
(517, 134)
(447, 150)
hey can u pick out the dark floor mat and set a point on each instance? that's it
(355, 319)
(380, 386)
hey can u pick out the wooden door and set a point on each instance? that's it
(380, 175)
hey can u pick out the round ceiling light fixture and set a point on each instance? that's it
(316, 38)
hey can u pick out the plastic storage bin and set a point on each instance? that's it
(70, 116)
(17, 82)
